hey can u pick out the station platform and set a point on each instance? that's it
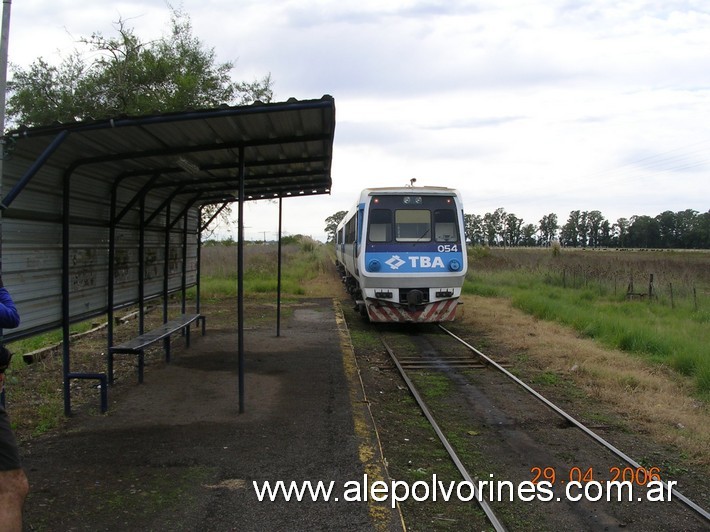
(174, 453)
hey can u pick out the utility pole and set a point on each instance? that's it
(4, 39)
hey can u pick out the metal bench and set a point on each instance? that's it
(137, 345)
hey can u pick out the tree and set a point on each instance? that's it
(605, 233)
(644, 232)
(569, 235)
(667, 227)
(528, 235)
(548, 228)
(331, 224)
(683, 229)
(128, 77)
(700, 234)
(595, 220)
(494, 226)
(583, 228)
(686, 224)
(512, 229)
(621, 229)
(473, 227)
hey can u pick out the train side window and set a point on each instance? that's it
(380, 225)
(413, 225)
(445, 225)
(351, 230)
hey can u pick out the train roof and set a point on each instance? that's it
(409, 190)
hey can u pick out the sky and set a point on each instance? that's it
(535, 106)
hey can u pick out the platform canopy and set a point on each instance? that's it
(78, 199)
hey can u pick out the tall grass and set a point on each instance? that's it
(584, 291)
(301, 262)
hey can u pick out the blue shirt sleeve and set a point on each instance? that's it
(9, 317)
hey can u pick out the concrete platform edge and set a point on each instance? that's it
(370, 452)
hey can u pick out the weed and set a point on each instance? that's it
(547, 378)
(365, 339)
(432, 385)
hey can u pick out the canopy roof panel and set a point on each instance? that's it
(287, 151)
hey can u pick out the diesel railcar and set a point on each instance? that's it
(402, 253)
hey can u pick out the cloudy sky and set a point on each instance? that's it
(536, 106)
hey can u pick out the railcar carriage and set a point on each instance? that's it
(402, 253)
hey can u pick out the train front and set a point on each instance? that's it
(414, 261)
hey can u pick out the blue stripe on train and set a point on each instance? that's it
(413, 262)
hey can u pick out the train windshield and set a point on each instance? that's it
(404, 219)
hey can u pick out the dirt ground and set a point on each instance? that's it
(175, 454)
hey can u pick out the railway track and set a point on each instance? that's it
(490, 514)
(456, 364)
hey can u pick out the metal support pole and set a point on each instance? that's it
(65, 292)
(141, 267)
(166, 273)
(141, 284)
(166, 265)
(278, 280)
(111, 285)
(198, 266)
(240, 279)
(183, 280)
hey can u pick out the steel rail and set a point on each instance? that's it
(497, 525)
(583, 428)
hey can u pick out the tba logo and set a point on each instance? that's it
(394, 262)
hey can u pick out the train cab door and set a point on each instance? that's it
(358, 238)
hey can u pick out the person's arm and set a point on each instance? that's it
(9, 317)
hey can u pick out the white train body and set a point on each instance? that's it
(402, 253)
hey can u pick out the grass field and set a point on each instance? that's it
(652, 304)
(582, 290)
(305, 267)
(667, 320)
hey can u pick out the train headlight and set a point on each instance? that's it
(374, 265)
(454, 265)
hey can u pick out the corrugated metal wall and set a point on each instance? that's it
(32, 248)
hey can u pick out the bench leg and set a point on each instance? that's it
(109, 366)
(103, 384)
(141, 366)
